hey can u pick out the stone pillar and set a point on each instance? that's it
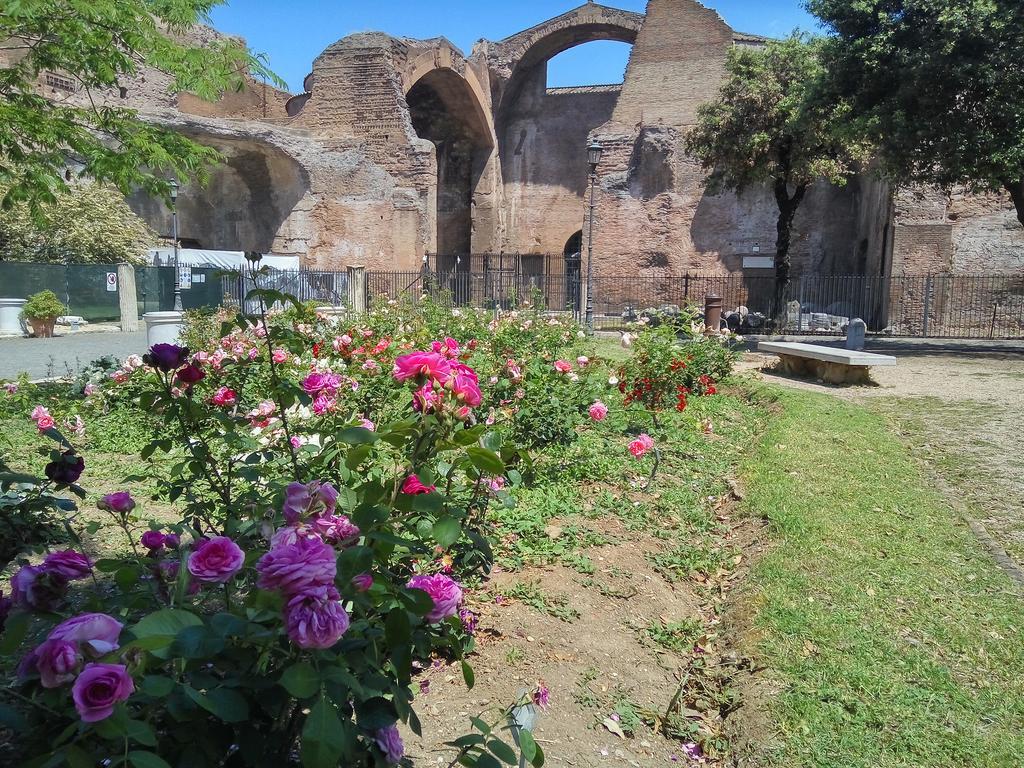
(126, 297)
(357, 288)
(712, 314)
(855, 334)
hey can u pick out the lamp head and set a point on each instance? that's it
(594, 151)
(174, 191)
(253, 257)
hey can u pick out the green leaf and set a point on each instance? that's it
(485, 460)
(357, 456)
(527, 745)
(157, 686)
(323, 739)
(503, 751)
(468, 675)
(76, 757)
(14, 632)
(166, 624)
(140, 731)
(480, 725)
(447, 531)
(357, 436)
(227, 704)
(147, 760)
(301, 680)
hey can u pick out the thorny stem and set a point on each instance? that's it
(277, 382)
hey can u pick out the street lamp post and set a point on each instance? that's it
(594, 150)
(174, 236)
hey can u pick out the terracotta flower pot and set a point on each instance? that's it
(42, 327)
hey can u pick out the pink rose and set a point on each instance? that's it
(298, 567)
(582, 361)
(57, 662)
(99, 689)
(422, 365)
(224, 397)
(426, 399)
(563, 366)
(44, 423)
(465, 385)
(39, 412)
(367, 424)
(315, 618)
(120, 502)
(69, 565)
(216, 560)
(362, 582)
(413, 486)
(324, 404)
(445, 593)
(280, 355)
(641, 446)
(598, 411)
(97, 632)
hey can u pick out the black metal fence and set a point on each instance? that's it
(937, 306)
(324, 286)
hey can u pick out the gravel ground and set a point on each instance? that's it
(61, 355)
(961, 412)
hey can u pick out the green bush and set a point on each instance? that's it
(42, 305)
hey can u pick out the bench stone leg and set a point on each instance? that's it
(796, 366)
(839, 373)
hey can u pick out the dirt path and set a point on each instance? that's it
(964, 417)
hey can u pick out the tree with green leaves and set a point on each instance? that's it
(768, 127)
(87, 223)
(98, 46)
(936, 85)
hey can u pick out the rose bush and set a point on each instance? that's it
(278, 621)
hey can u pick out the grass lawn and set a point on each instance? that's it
(889, 636)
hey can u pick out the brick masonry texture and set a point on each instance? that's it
(398, 148)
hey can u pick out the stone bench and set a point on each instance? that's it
(831, 365)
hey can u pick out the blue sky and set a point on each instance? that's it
(293, 32)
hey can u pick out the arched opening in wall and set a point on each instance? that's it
(544, 126)
(599, 62)
(445, 111)
(573, 253)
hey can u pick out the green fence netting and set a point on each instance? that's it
(85, 288)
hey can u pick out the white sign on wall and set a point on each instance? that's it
(112, 282)
(758, 262)
(185, 277)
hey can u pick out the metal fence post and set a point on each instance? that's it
(927, 303)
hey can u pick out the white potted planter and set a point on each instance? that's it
(10, 316)
(163, 327)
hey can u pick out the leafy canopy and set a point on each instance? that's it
(87, 223)
(100, 45)
(767, 123)
(935, 84)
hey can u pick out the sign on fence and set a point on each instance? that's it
(111, 282)
(185, 277)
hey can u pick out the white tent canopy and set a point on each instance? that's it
(226, 260)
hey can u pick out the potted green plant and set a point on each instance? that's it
(41, 311)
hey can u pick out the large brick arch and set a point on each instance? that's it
(511, 59)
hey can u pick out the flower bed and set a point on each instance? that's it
(333, 482)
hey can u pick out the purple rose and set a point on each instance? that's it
(362, 582)
(191, 374)
(299, 567)
(67, 469)
(153, 540)
(36, 588)
(216, 560)
(469, 621)
(166, 357)
(120, 502)
(98, 633)
(57, 662)
(69, 565)
(445, 593)
(315, 498)
(99, 688)
(172, 541)
(296, 501)
(390, 743)
(335, 528)
(316, 618)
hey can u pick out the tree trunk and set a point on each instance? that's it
(787, 213)
(1016, 190)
